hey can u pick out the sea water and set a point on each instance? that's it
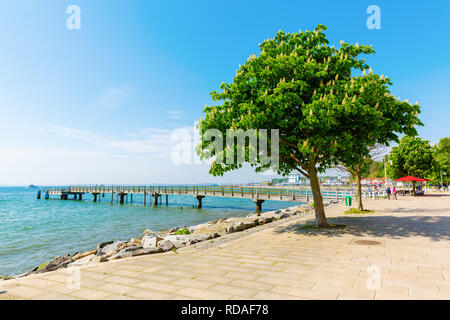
(34, 231)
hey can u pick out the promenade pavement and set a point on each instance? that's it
(402, 251)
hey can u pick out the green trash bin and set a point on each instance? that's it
(348, 201)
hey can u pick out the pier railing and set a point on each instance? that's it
(250, 192)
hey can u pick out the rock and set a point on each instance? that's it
(175, 229)
(126, 252)
(150, 241)
(239, 226)
(199, 237)
(111, 248)
(145, 233)
(79, 256)
(278, 211)
(200, 226)
(93, 258)
(57, 263)
(284, 215)
(103, 244)
(179, 238)
(142, 251)
(166, 245)
(230, 229)
(134, 242)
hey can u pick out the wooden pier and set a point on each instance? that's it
(257, 194)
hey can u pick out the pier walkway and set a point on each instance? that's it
(257, 194)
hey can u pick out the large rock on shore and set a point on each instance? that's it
(92, 258)
(150, 241)
(126, 252)
(143, 251)
(166, 245)
(109, 249)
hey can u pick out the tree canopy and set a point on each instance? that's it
(306, 89)
(412, 157)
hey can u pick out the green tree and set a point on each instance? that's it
(303, 87)
(442, 158)
(412, 157)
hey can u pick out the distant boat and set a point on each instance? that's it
(32, 186)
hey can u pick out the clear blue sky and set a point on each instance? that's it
(98, 105)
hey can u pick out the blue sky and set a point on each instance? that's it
(99, 104)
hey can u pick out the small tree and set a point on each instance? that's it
(412, 157)
(304, 88)
(359, 169)
(442, 158)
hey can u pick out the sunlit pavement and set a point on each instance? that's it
(405, 254)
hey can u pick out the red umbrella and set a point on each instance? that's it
(410, 178)
(413, 180)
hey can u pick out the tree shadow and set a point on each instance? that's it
(436, 228)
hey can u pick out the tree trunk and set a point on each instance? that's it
(321, 220)
(358, 184)
(414, 188)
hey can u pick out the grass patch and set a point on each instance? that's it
(357, 211)
(174, 250)
(329, 227)
(183, 231)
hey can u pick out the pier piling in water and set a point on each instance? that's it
(199, 201)
(259, 203)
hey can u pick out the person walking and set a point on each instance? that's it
(394, 193)
(388, 191)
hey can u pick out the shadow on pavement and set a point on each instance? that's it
(436, 228)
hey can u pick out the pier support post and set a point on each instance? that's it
(122, 197)
(112, 196)
(39, 194)
(131, 198)
(156, 195)
(199, 201)
(167, 199)
(95, 196)
(259, 203)
(145, 198)
(80, 197)
(75, 196)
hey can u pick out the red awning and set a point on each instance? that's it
(409, 178)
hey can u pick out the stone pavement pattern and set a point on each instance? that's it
(282, 262)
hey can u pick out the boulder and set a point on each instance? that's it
(180, 238)
(92, 258)
(111, 248)
(239, 226)
(103, 244)
(150, 241)
(79, 256)
(199, 237)
(126, 252)
(56, 263)
(166, 245)
(230, 229)
(145, 233)
(284, 215)
(143, 251)
(134, 242)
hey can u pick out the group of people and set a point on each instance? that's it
(393, 191)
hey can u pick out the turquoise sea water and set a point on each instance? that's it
(34, 231)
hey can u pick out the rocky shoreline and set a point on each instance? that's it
(151, 242)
